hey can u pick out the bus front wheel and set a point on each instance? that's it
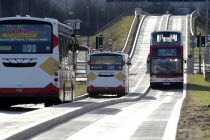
(92, 95)
(5, 106)
(120, 94)
(48, 104)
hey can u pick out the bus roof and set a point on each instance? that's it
(29, 18)
(166, 31)
(107, 52)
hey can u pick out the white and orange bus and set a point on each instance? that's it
(107, 73)
(37, 61)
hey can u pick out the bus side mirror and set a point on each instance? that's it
(73, 47)
(148, 59)
(70, 46)
(76, 47)
(129, 63)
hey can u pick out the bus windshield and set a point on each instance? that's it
(106, 62)
(168, 66)
(25, 38)
(166, 39)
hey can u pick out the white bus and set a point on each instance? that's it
(107, 73)
(37, 61)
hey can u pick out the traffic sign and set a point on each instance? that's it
(192, 38)
(110, 41)
(84, 41)
(192, 44)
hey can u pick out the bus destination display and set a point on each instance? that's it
(99, 62)
(163, 52)
(25, 38)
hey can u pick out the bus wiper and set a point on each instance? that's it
(175, 73)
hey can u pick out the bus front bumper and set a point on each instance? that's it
(119, 89)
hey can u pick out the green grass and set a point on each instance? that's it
(199, 89)
(80, 88)
(117, 32)
(194, 122)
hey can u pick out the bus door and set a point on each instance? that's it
(174, 70)
(158, 68)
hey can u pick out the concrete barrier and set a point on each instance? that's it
(137, 35)
(194, 14)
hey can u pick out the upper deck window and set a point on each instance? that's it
(166, 39)
(25, 37)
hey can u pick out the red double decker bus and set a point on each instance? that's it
(166, 59)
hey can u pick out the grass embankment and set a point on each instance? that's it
(194, 123)
(118, 32)
(80, 88)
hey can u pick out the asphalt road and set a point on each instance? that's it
(146, 119)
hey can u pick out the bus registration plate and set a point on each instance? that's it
(166, 83)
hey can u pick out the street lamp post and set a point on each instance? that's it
(165, 6)
(108, 14)
(97, 20)
(0, 8)
(97, 17)
(21, 8)
(207, 16)
(88, 22)
(66, 10)
(183, 4)
(29, 7)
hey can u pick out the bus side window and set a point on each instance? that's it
(63, 51)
